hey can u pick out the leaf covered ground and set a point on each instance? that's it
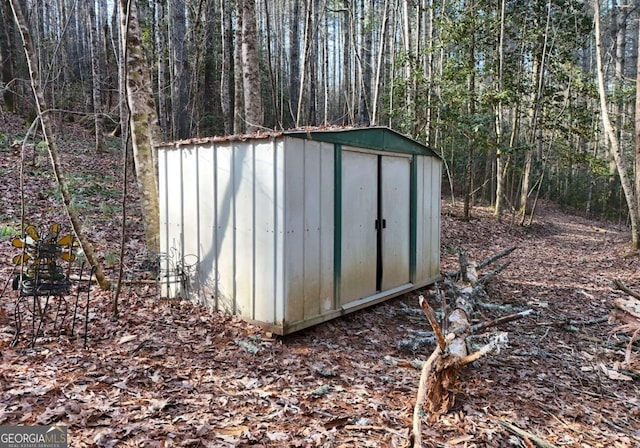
(169, 373)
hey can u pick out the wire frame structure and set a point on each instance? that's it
(44, 267)
(166, 271)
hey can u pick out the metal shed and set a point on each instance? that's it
(294, 228)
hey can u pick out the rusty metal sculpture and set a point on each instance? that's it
(44, 267)
(41, 273)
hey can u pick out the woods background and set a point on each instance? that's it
(505, 91)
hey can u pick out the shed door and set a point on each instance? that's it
(375, 224)
(359, 213)
(395, 194)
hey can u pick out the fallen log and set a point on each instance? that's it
(439, 374)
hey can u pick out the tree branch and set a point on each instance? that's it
(432, 320)
(622, 287)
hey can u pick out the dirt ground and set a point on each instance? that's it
(169, 373)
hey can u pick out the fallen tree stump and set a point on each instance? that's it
(439, 374)
(627, 312)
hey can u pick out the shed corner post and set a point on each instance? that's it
(337, 223)
(413, 218)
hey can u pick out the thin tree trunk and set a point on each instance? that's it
(226, 71)
(500, 163)
(408, 62)
(611, 134)
(471, 108)
(536, 133)
(52, 146)
(253, 111)
(178, 70)
(143, 121)
(270, 62)
(366, 28)
(7, 49)
(238, 88)
(96, 78)
(430, 48)
(637, 126)
(302, 77)
(347, 63)
(161, 61)
(294, 62)
(379, 62)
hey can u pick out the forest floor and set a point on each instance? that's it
(169, 373)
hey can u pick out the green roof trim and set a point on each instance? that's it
(379, 138)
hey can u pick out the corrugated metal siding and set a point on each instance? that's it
(225, 292)
(171, 232)
(428, 213)
(206, 224)
(308, 250)
(224, 213)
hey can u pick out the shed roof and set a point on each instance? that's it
(378, 137)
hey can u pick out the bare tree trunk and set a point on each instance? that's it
(143, 120)
(408, 63)
(52, 146)
(238, 83)
(160, 13)
(430, 48)
(7, 49)
(294, 62)
(500, 162)
(302, 77)
(611, 135)
(253, 111)
(379, 62)
(536, 133)
(471, 107)
(96, 78)
(270, 63)
(178, 70)
(637, 127)
(314, 63)
(347, 63)
(366, 18)
(225, 75)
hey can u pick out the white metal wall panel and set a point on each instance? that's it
(172, 244)
(279, 206)
(434, 194)
(395, 178)
(163, 182)
(207, 220)
(308, 223)
(294, 229)
(421, 262)
(311, 229)
(225, 235)
(243, 184)
(264, 302)
(359, 212)
(430, 220)
(327, 186)
(189, 254)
